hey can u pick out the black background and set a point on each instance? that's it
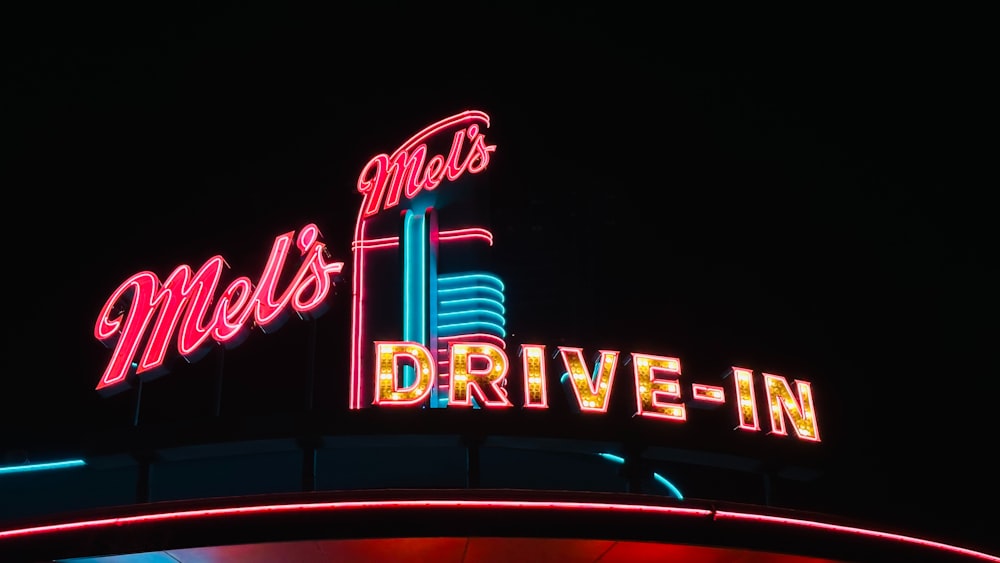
(788, 192)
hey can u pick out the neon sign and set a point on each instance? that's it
(658, 389)
(440, 323)
(408, 171)
(183, 301)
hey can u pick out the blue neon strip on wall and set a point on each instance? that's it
(470, 292)
(452, 281)
(670, 486)
(472, 303)
(612, 457)
(659, 478)
(27, 467)
(469, 302)
(415, 244)
(476, 315)
(464, 328)
(415, 278)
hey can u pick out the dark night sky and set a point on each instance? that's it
(809, 192)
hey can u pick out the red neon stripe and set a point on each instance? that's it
(357, 305)
(456, 234)
(467, 234)
(480, 504)
(387, 242)
(348, 505)
(724, 515)
(473, 337)
(465, 116)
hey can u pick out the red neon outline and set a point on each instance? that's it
(474, 378)
(702, 392)
(403, 168)
(357, 289)
(752, 517)
(400, 351)
(740, 400)
(386, 242)
(312, 283)
(188, 295)
(228, 330)
(490, 504)
(592, 383)
(526, 374)
(141, 286)
(169, 303)
(803, 404)
(193, 334)
(658, 387)
(308, 236)
(473, 233)
(475, 337)
(268, 311)
(181, 290)
(357, 304)
(349, 505)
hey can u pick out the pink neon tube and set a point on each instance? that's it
(489, 504)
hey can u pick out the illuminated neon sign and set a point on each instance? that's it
(452, 350)
(442, 336)
(407, 170)
(183, 304)
(658, 390)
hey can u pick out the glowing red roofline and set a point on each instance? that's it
(490, 504)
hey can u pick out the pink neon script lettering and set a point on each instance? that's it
(408, 170)
(131, 309)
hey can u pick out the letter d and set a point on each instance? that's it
(388, 389)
